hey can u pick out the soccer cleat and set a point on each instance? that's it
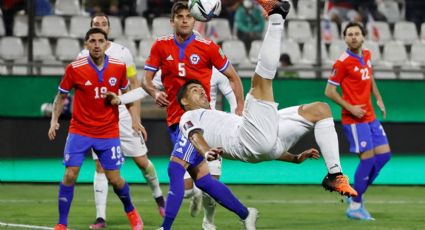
(339, 184)
(195, 204)
(135, 220)
(208, 226)
(359, 214)
(98, 224)
(60, 227)
(250, 221)
(275, 7)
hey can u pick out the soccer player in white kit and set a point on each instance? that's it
(263, 133)
(132, 143)
(198, 198)
(218, 82)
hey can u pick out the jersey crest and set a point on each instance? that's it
(194, 59)
(112, 81)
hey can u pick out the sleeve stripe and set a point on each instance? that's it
(63, 90)
(126, 87)
(333, 83)
(150, 68)
(225, 66)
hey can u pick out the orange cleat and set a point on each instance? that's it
(60, 227)
(135, 220)
(339, 184)
(275, 7)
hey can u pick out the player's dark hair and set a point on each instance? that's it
(182, 91)
(354, 24)
(99, 14)
(177, 7)
(95, 31)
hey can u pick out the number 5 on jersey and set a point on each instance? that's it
(182, 70)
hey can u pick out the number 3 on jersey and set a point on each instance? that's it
(182, 70)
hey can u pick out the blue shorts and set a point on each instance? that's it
(183, 149)
(365, 136)
(108, 151)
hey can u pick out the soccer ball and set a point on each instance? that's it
(204, 10)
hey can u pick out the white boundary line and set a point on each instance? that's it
(24, 226)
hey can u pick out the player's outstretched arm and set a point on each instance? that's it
(58, 105)
(237, 87)
(226, 89)
(299, 158)
(198, 141)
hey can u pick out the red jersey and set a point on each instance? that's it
(179, 63)
(90, 116)
(354, 74)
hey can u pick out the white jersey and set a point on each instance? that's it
(220, 82)
(220, 129)
(261, 134)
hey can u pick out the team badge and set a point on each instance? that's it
(369, 64)
(188, 125)
(112, 81)
(66, 158)
(194, 59)
(363, 144)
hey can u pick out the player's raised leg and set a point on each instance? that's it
(268, 58)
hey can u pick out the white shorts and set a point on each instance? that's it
(259, 131)
(132, 144)
(214, 167)
(292, 126)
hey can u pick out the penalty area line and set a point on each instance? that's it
(11, 225)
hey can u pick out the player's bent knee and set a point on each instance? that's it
(316, 111)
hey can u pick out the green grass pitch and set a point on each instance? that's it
(280, 206)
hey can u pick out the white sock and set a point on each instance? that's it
(191, 192)
(100, 186)
(150, 176)
(327, 139)
(209, 208)
(355, 205)
(268, 58)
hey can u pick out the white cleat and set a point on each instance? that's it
(161, 228)
(195, 204)
(250, 221)
(208, 226)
